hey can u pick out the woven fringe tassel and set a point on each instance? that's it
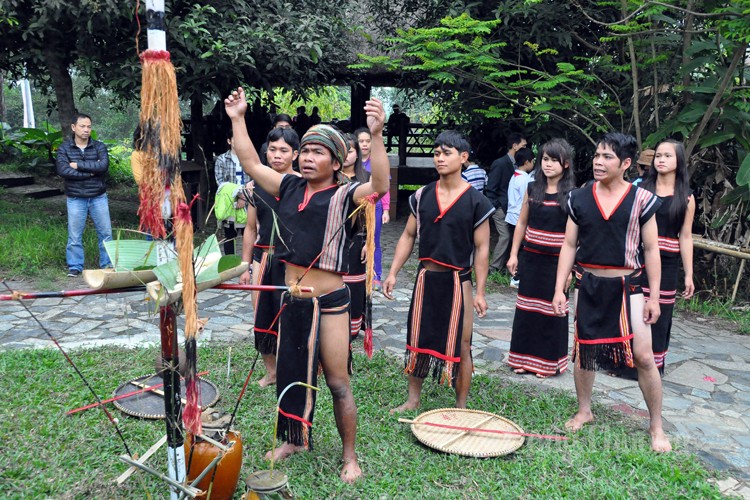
(603, 356)
(160, 137)
(294, 432)
(184, 241)
(370, 270)
(368, 327)
(420, 366)
(265, 343)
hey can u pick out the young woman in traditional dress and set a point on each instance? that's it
(383, 206)
(355, 279)
(282, 149)
(668, 178)
(539, 342)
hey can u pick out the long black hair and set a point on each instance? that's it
(360, 174)
(681, 182)
(560, 150)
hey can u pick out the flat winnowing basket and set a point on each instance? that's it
(150, 404)
(467, 442)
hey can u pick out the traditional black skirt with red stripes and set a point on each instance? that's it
(661, 331)
(539, 342)
(270, 272)
(435, 325)
(297, 361)
(355, 280)
(603, 332)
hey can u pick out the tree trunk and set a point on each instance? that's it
(687, 39)
(2, 101)
(634, 75)
(57, 66)
(724, 86)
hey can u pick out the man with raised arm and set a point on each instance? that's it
(315, 219)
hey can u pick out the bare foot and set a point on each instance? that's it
(409, 405)
(539, 375)
(284, 451)
(350, 472)
(659, 442)
(578, 421)
(520, 371)
(266, 381)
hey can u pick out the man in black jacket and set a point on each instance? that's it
(83, 163)
(501, 171)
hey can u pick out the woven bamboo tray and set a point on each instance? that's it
(151, 404)
(467, 442)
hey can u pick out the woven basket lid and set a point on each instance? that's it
(149, 404)
(467, 442)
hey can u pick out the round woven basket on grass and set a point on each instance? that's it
(151, 404)
(435, 429)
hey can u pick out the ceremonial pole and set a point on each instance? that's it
(160, 190)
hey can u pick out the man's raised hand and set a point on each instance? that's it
(235, 104)
(375, 116)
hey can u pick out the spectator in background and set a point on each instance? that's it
(474, 174)
(396, 123)
(516, 191)
(315, 117)
(301, 121)
(643, 164)
(281, 120)
(227, 168)
(499, 177)
(83, 163)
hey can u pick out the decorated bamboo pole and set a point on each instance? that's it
(159, 190)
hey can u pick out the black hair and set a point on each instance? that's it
(523, 155)
(513, 138)
(560, 150)
(288, 134)
(229, 133)
(78, 116)
(138, 137)
(623, 145)
(282, 117)
(360, 173)
(361, 130)
(681, 182)
(315, 109)
(452, 139)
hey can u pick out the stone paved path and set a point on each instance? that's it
(706, 385)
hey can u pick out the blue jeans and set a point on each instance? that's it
(78, 210)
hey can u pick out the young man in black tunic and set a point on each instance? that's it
(611, 233)
(452, 221)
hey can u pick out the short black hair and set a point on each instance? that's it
(624, 146)
(78, 116)
(523, 155)
(288, 134)
(513, 138)
(452, 139)
(282, 117)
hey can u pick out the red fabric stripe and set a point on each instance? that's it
(295, 417)
(433, 353)
(605, 341)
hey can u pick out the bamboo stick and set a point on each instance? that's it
(154, 448)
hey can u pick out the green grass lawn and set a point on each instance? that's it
(45, 454)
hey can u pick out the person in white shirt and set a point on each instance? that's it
(516, 191)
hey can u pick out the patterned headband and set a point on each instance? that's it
(330, 138)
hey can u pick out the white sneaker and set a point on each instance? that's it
(514, 283)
